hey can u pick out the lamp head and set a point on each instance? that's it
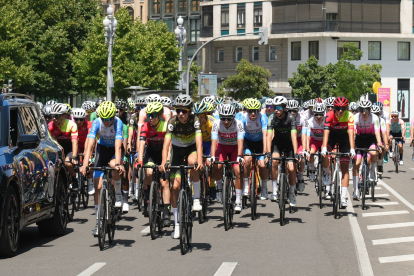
(180, 20)
(110, 10)
(106, 22)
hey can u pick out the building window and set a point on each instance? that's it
(403, 99)
(374, 50)
(220, 55)
(341, 49)
(224, 17)
(131, 12)
(255, 53)
(314, 49)
(403, 50)
(241, 14)
(257, 16)
(194, 30)
(207, 16)
(296, 50)
(182, 5)
(169, 6)
(239, 54)
(195, 5)
(156, 6)
(272, 52)
(140, 12)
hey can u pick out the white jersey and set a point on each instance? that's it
(383, 125)
(385, 116)
(315, 130)
(227, 136)
(301, 123)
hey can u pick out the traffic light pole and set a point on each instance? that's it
(263, 35)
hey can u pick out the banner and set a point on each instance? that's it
(208, 84)
(384, 96)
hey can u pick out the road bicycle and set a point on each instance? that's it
(364, 183)
(82, 192)
(336, 181)
(319, 185)
(204, 192)
(396, 155)
(140, 193)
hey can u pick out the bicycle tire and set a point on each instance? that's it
(282, 203)
(206, 192)
(396, 162)
(153, 210)
(320, 185)
(102, 223)
(253, 199)
(335, 196)
(364, 185)
(202, 200)
(232, 196)
(140, 197)
(189, 225)
(111, 222)
(71, 206)
(374, 183)
(79, 192)
(226, 203)
(85, 195)
(182, 223)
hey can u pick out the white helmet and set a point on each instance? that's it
(40, 105)
(293, 104)
(305, 104)
(51, 102)
(394, 112)
(329, 101)
(153, 98)
(375, 109)
(183, 101)
(319, 108)
(78, 113)
(166, 101)
(140, 101)
(209, 99)
(365, 104)
(88, 106)
(312, 103)
(269, 101)
(279, 100)
(226, 110)
(59, 108)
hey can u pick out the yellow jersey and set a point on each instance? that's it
(206, 128)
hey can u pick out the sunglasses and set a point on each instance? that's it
(48, 117)
(341, 108)
(56, 116)
(366, 110)
(152, 115)
(184, 111)
(89, 112)
(318, 114)
(79, 119)
(394, 116)
(310, 107)
(270, 106)
(226, 119)
(278, 107)
(253, 111)
(107, 120)
(293, 110)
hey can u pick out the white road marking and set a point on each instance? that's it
(393, 240)
(375, 214)
(383, 203)
(362, 253)
(409, 205)
(381, 195)
(226, 269)
(146, 230)
(92, 269)
(393, 259)
(412, 169)
(391, 225)
(378, 188)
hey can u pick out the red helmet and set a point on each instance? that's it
(341, 101)
(318, 100)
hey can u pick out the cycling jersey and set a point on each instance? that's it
(83, 133)
(368, 126)
(206, 128)
(154, 137)
(283, 127)
(125, 133)
(339, 126)
(107, 135)
(239, 116)
(385, 116)
(315, 130)
(383, 125)
(133, 121)
(301, 122)
(65, 133)
(166, 115)
(183, 135)
(93, 116)
(396, 127)
(254, 129)
(264, 112)
(227, 136)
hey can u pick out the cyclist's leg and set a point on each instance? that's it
(177, 157)
(125, 185)
(221, 154)
(401, 149)
(232, 150)
(247, 167)
(192, 159)
(275, 169)
(301, 164)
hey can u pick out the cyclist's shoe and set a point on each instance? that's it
(386, 158)
(245, 192)
(264, 194)
(292, 199)
(273, 197)
(401, 163)
(167, 221)
(196, 205)
(327, 179)
(95, 231)
(75, 184)
(328, 195)
(380, 169)
(312, 175)
(125, 207)
(91, 189)
(355, 196)
(344, 204)
(134, 198)
(118, 201)
(213, 194)
(131, 194)
(176, 233)
(220, 196)
(301, 185)
(238, 208)
(391, 154)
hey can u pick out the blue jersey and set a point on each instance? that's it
(254, 129)
(239, 116)
(107, 135)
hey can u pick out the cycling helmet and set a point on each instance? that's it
(140, 101)
(166, 101)
(380, 104)
(354, 107)
(59, 109)
(70, 108)
(51, 102)
(305, 105)
(319, 108)
(312, 103)
(263, 105)
(98, 102)
(318, 100)
(46, 109)
(78, 113)
(279, 100)
(219, 101)
(365, 104)
(209, 100)
(236, 105)
(183, 101)
(106, 110)
(153, 98)
(120, 104)
(341, 101)
(251, 103)
(226, 110)
(88, 106)
(200, 107)
(375, 109)
(293, 104)
(210, 107)
(329, 101)
(155, 107)
(394, 112)
(40, 105)
(268, 101)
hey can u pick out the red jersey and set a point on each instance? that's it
(64, 134)
(339, 126)
(83, 131)
(154, 137)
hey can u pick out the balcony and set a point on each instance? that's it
(207, 31)
(336, 26)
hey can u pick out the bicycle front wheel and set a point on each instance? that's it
(226, 203)
(102, 223)
(364, 185)
(71, 205)
(182, 210)
(202, 199)
(85, 194)
(396, 161)
(253, 199)
(111, 222)
(140, 188)
(336, 195)
(320, 185)
(282, 203)
(153, 210)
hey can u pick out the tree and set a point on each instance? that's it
(194, 83)
(249, 82)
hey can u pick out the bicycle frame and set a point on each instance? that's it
(253, 198)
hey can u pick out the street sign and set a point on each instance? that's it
(207, 84)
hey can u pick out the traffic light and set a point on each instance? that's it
(11, 86)
(263, 36)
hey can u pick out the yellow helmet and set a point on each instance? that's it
(154, 107)
(106, 110)
(252, 104)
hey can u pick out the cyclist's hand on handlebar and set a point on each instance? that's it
(210, 160)
(352, 153)
(240, 159)
(324, 151)
(82, 170)
(298, 157)
(161, 168)
(120, 168)
(199, 166)
(380, 149)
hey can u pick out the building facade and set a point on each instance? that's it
(138, 9)
(298, 29)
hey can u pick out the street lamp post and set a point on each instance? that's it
(180, 34)
(110, 24)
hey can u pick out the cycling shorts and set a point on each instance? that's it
(315, 144)
(103, 155)
(365, 141)
(397, 134)
(253, 147)
(152, 157)
(286, 147)
(343, 142)
(67, 148)
(177, 158)
(227, 151)
(300, 146)
(207, 148)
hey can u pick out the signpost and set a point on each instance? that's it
(384, 96)
(208, 84)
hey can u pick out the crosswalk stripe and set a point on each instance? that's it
(393, 240)
(92, 269)
(391, 225)
(226, 269)
(378, 188)
(375, 214)
(402, 199)
(393, 259)
(383, 203)
(146, 230)
(381, 195)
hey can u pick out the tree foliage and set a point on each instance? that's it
(249, 82)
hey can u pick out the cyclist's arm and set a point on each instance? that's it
(74, 138)
(166, 146)
(141, 145)
(294, 136)
(264, 140)
(198, 139)
(118, 151)
(213, 147)
(402, 129)
(89, 144)
(265, 123)
(130, 134)
(75, 148)
(269, 137)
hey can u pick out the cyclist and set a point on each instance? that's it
(255, 128)
(329, 103)
(108, 150)
(367, 135)
(354, 108)
(375, 109)
(50, 102)
(282, 137)
(396, 128)
(166, 115)
(305, 107)
(65, 132)
(339, 129)
(46, 113)
(93, 115)
(218, 101)
(184, 133)
(269, 109)
(88, 107)
(383, 114)
(227, 141)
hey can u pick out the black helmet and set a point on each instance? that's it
(98, 102)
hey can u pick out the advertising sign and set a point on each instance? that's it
(384, 96)
(208, 84)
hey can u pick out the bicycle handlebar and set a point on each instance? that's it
(167, 166)
(341, 154)
(104, 168)
(366, 149)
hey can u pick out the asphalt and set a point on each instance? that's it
(312, 243)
